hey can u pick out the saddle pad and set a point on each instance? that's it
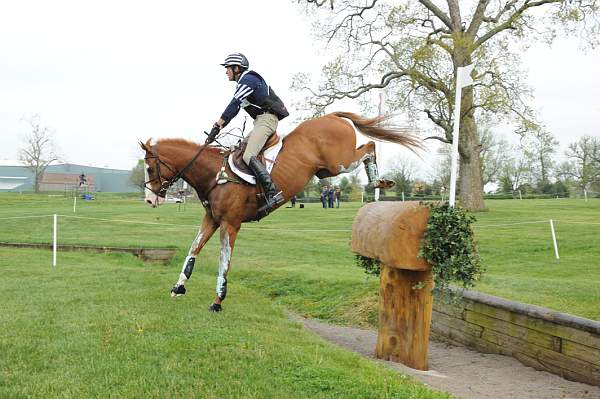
(270, 155)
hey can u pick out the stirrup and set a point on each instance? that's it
(270, 203)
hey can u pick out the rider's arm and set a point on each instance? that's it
(246, 86)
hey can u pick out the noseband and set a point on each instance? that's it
(166, 183)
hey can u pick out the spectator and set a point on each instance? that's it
(330, 196)
(338, 194)
(293, 201)
(324, 193)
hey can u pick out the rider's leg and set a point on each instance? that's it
(264, 126)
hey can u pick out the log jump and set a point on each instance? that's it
(391, 232)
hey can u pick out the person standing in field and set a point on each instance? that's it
(338, 194)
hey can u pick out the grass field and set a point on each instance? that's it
(302, 256)
(117, 309)
(102, 326)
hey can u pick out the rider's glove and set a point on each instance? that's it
(213, 134)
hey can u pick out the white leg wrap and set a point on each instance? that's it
(182, 276)
(223, 265)
(220, 284)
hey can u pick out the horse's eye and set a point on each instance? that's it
(149, 169)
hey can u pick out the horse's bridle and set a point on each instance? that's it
(166, 183)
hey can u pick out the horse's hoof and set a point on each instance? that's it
(177, 290)
(383, 183)
(215, 307)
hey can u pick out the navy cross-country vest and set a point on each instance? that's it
(256, 97)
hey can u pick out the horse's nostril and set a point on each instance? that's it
(149, 201)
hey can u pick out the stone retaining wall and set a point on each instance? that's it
(556, 342)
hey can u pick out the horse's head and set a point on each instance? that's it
(158, 175)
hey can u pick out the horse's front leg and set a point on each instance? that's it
(206, 231)
(228, 235)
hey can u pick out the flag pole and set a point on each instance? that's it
(377, 144)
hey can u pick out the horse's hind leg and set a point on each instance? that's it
(228, 235)
(206, 231)
(365, 154)
(356, 158)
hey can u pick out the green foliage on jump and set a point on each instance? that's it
(371, 266)
(449, 247)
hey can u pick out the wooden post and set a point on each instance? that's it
(391, 232)
(404, 316)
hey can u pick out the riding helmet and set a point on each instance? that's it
(238, 59)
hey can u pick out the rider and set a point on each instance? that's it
(260, 101)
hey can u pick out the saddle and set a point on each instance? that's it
(236, 156)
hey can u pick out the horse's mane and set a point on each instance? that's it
(178, 142)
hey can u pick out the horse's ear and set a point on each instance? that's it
(146, 147)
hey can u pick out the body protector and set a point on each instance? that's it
(256, 97)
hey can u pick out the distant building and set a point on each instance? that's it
(16, 177)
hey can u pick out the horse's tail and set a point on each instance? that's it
(373, 128)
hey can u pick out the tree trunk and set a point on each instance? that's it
(37, 179)
(470, 178)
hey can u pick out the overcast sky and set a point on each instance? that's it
(104, 75)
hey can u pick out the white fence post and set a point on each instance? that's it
(554, 240)
(54, 241)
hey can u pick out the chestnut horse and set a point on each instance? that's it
(324, 146)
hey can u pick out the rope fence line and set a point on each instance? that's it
(277, 228)
(307, 230)
(262, 228)
(512, 224)
(27, 217)
(129, 221)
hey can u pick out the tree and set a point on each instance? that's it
(345, 186)
(493, 153)
(539, 146)
(513, 171)
(413, 49)
(312, 185)
(39, 150)
(355, 191)
(584, 164)
(440, 172)
(401, 173)
(137, 176)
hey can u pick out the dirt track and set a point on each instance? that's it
(462, 372)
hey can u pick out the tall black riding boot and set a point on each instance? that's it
(273, 196)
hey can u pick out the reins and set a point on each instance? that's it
(164, 185)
